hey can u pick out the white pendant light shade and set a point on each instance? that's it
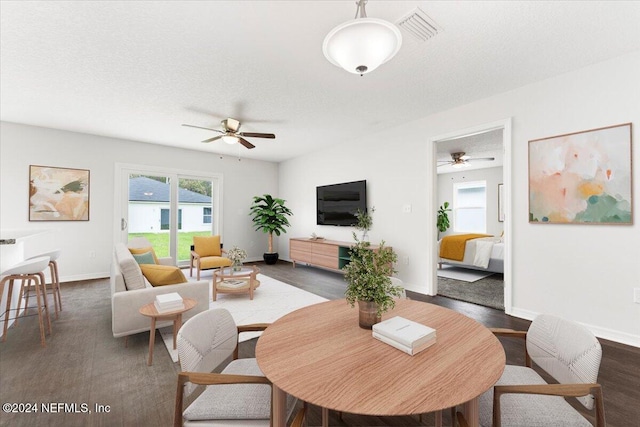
(362, 45)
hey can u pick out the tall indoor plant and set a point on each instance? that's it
(269, 214)
(368, 277)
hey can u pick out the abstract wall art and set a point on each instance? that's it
(58, 194)
(582, 177)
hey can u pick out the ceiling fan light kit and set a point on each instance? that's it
(230, 133)
(362, 44)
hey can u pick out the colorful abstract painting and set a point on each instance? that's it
(58, 194)
(581, 178)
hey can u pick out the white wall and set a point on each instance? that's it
(492, 176)
(21, 146)
(585, 273)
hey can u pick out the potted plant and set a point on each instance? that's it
(365, 221)
(368, 277)
(269, 214)
(443, 217)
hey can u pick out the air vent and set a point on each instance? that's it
(419, 25)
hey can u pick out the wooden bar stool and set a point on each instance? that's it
(55, 278)
(27, 271)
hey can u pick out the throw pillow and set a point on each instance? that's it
(207, 245)
(137, 251)
(160, 275)
(145, 258)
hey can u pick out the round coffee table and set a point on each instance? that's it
(150, 310)
(226, 280)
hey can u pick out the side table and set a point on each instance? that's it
(149, 310)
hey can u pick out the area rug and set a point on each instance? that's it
(272, 300)
(464, 274)
(488, 292)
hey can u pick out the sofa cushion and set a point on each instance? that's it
(129, 268)
(145, 258)
(207, 245)
(160, 275)
(137, 251)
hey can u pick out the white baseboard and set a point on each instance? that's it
(604, 333)
(88, 276)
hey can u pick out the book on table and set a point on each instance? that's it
(168, 302)
(405, 332)
(409, 350)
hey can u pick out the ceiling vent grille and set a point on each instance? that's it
(419, 25)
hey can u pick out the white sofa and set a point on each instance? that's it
(125, 317)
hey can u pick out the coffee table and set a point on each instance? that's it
(226, 280)
(320, 355)
(149, 310)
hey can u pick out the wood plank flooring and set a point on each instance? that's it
(84, 364)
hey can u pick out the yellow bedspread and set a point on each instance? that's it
(452, 247)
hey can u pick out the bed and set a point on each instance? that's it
(480, 253)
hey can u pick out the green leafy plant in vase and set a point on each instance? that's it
(269, 215)
(368, 277)
(365, 222)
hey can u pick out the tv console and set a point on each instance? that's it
(329, 254)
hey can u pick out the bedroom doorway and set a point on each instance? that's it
(471, 172)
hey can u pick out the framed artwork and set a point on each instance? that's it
(582, 177)
(500, 202)
(58, 194)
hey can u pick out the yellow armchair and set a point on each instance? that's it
(207, 253)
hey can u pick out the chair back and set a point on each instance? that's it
(567, 351)
(139, 242)
(205, 341)
(207, 245)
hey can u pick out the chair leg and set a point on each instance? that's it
(40, 321)
(43, 285)
(54, 271)
(53, 288)
(20, 296)
(7, 310)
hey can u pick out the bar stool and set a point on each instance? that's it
(55, 278)
(27, 271)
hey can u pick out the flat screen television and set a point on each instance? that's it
(337, 204)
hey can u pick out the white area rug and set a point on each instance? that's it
(464, 274)
(272, 300)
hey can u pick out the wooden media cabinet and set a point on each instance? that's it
(330, 254)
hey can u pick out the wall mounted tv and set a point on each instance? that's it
(337, 204)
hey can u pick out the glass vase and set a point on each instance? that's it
(367, 314)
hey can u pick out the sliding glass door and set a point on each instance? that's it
(168, 208)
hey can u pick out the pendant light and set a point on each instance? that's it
(362, 44)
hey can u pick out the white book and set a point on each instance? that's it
(161, 309)
(168, 299)
(405, 331)
(409, 350)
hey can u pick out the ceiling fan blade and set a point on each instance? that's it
(257, 135)
(480, 158)
(200, 127)
(245, 142)
(213, 139)
(444, 164)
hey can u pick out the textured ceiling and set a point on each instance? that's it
(138, 70)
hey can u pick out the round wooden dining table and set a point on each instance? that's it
(320, 355)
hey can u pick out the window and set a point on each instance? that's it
(206, 215)
(470, 207)
(164, 219)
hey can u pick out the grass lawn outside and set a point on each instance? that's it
(160, 242)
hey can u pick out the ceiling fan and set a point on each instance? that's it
(460, 159)
(231, 135)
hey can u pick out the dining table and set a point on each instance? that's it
(320, 355)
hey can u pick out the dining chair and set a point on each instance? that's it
(566, 351)
(240, 395)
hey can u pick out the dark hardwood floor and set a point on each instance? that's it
(84, 364)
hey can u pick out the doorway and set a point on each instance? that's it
(481, 188)
(167, 207)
